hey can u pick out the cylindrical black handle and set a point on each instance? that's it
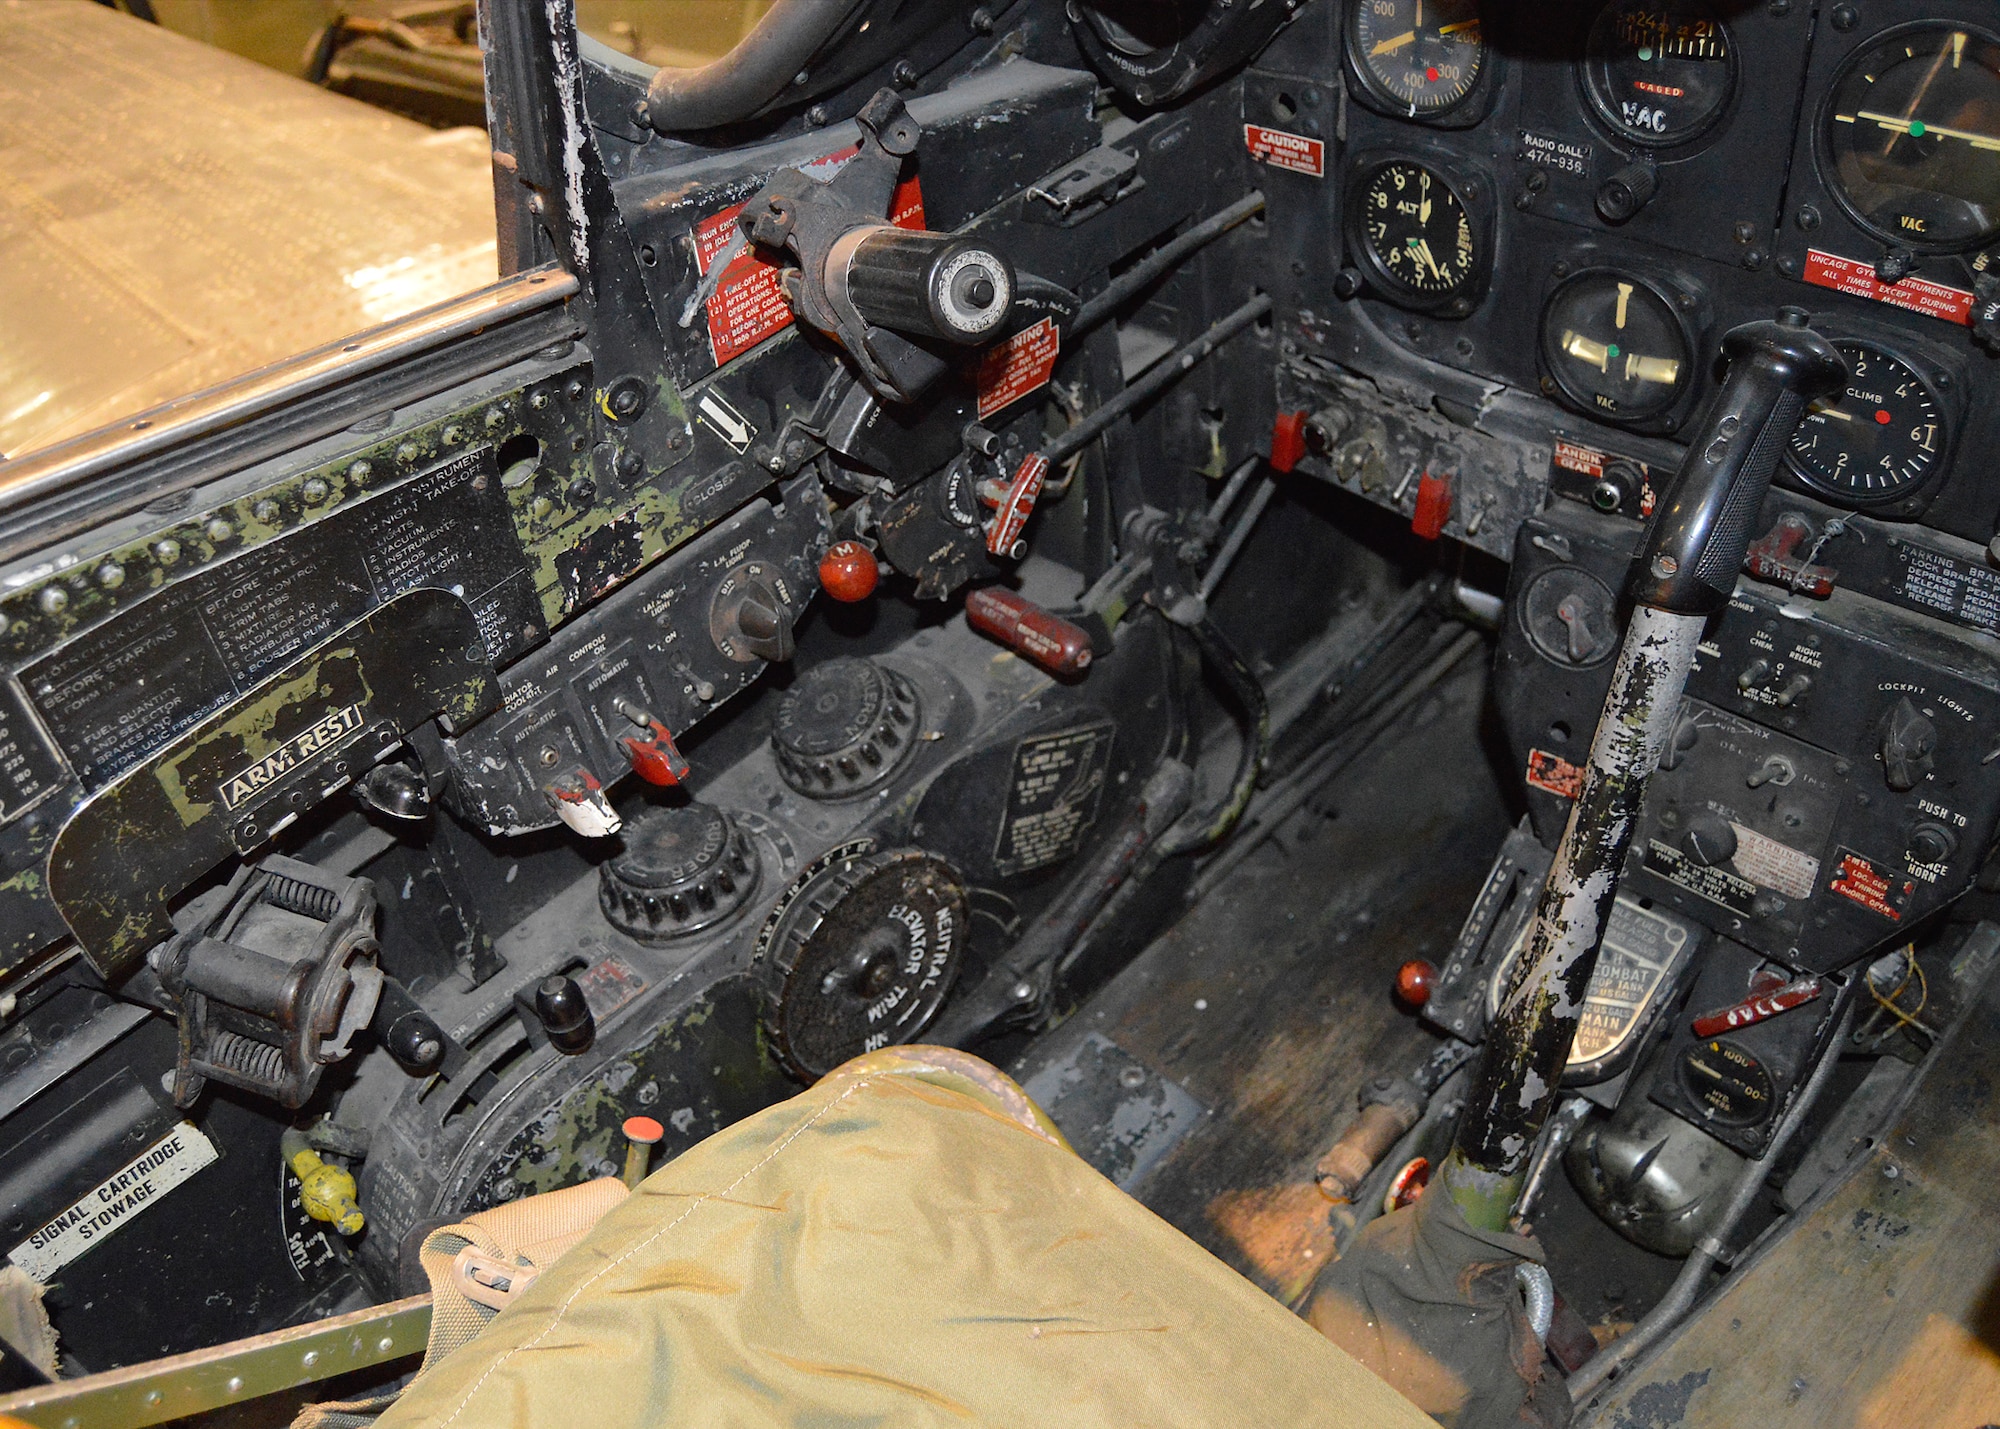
(925, 284)
(1702, 528)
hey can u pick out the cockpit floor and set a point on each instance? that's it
(1210, 1075)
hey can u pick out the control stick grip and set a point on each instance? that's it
(1696, 543)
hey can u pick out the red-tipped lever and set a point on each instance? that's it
(1025, 628)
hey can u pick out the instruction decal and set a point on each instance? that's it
(1554, 773)
(1294, 153)
(1919, 295)
(748, 305)
(1018, 366)
(124, 1194)
(1860, 879)
(1052, 797)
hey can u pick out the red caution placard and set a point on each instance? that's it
(1018, 366)
(748, 305)
(1860, 880)
(1294, 153)
(1919, 295)
(1554, 773)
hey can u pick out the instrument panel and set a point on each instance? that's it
(1558, 210)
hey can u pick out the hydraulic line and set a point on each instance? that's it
(1156, 378)
(1248, 692)
(1168, 256)
(739, 84)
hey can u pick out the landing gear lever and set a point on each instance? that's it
(1684, 573)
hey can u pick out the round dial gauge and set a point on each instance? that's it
(1912, 136)
(1420, 56)
(1658, 74)
(1727, 1082)
(1613, 343)
(1415, 232)
(1876, 442)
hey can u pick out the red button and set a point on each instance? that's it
(849, 572)
(644, 1130)
(1414, 981)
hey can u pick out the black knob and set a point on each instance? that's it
(415, 1041)
(750, 615)
(1618, 488)
(1908, 740)
(395, 790)
(1627, 191)
(1931, 843)
(845, 726)
(564, 1014)
(1709, 840)
(925, 284)
(1686, 734)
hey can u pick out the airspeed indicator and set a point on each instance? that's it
(1879, 440)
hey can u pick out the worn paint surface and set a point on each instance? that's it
(1528, 1040)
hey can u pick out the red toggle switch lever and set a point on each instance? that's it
(1055, 644)
(655, 758)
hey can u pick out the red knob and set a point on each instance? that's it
(848, 572)
(1414, 981)
(1288, 440)
(1433, 506)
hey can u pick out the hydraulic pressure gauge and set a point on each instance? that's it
(1658, 74)
(1417, 58)
(1416, 236)
(1910, 138)
(1615, 345)
(1879, 440)
(1727, 1083)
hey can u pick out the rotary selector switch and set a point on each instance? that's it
(750, 614)
(844, 728)
(860, 953)
(682, 870)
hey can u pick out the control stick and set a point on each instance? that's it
(1684, 573)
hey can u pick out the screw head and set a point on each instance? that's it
(220, 530)
(167, 551)
(314, 491)
(111, 575)
(1665, 566)
(53, 600)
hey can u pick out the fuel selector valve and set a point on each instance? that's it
(890, 296)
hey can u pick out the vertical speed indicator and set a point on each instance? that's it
(1880, 439)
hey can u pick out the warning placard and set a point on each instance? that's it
(1052, 800)
(1018, 366)
(748, 306)
(1554, 773)
(1295, 153)
(1919, 295)
(1859, 879)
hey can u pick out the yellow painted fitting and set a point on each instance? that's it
(327, 1192)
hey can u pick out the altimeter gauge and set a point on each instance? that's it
(1416, 236)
